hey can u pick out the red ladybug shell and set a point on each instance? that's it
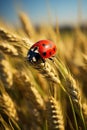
(46, 48)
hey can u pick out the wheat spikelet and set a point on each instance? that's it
(5, 71)
(26, 24)
(54, 115)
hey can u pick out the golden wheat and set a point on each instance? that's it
(26, 89)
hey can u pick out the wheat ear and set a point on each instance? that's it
(8, 49)
(28, 89)
(33, 99)
(7, 103)
(55, 118)
(47, 71)
(10, 37)
(5, 70)
(72, 90)
(26, 24)
(70, 84)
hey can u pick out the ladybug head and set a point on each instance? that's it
(33, 55)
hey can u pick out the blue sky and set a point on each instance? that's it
(40, 11)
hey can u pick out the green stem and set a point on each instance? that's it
(71, 107)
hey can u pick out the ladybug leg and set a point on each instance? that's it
(51, 59)
(43, 60)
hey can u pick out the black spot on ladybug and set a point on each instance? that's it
(44, 53)
(43, 44)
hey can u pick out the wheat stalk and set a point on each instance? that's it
(54, 113)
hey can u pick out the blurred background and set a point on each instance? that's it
(67, 13)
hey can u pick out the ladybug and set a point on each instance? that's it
(41, 50)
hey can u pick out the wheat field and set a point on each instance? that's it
(38, 97)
